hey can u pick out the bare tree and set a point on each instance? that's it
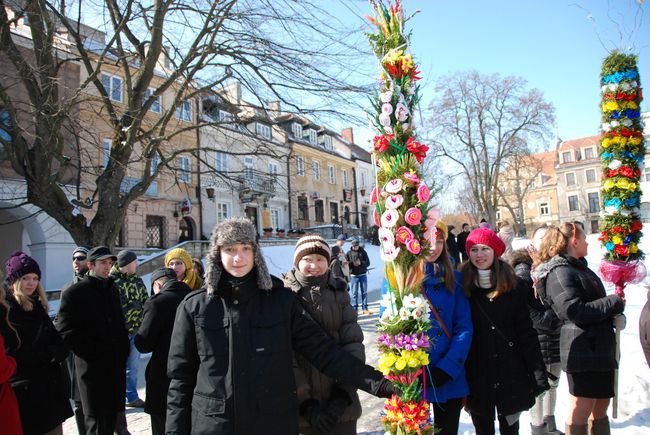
(279, 50)
(479, 121)
(518, 177)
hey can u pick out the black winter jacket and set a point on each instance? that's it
(544, 319)
(577, 295)
(359, 261)
(91, 323)
(38, 381)
(327, 301)
(154, 335)
(504, 366)
(644, 329)
(230, 360)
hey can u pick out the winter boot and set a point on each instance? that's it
(538, 430)
(575, 429)
(599, 427)
(550, 424)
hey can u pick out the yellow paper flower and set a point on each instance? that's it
(635, 140)
(617, 240)
(610, 106)
(400, 364)
(633, 248)
(609, 183)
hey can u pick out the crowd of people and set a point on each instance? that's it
(235, 350)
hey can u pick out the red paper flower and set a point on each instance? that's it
(618, 229)
(621, 250)
(612, 173)
(417, 149)
(626, 171)
(636, 226)
(382, 143)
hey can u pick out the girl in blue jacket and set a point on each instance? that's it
(450, 334)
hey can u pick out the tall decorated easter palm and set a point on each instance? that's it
(400, 199)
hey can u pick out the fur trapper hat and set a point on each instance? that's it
(231, 232)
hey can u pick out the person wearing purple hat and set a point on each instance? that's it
(91, 322)
(505, 369)
(35, 344)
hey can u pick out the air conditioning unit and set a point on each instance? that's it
(315, 195)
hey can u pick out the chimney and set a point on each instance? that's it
(273, 108)
(348, 134)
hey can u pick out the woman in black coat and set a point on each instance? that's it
(587, 339)
(38, 349)
(505, 369)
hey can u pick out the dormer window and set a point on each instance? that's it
(296, 129)
(263, 130)
(589, 153)
(566, 157)
(328, 142)
(313, 137)
(225, 116)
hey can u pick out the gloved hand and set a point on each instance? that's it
(619, 321)
(387, 389)
(541, 382)
(439, 377)
(316, 416)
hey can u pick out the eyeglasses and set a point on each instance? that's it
(78, 258)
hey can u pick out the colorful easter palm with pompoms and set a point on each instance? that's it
(400, 200)
(622, 151)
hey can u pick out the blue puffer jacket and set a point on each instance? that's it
(448, 354)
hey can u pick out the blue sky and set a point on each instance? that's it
(557, 46)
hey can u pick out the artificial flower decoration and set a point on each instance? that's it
(398, 204)
(622, 151)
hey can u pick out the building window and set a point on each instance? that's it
(303, 208)
(573, 203)
(364, 178)
(566, 157)
(221, 162)
(315, 167)
(589, 153)
(184, 111)
(300, 166)
(346, 181)
(106, 152)
(223, 211)
(5, 128)
(185, 169)
(155, 163)
(296, 129)
(594, 226)
(313, 137)
(113, 86)
(154, 232)
(248, 168)
(328, 142)
(646, 174)
(273, 172)
(225, 116)
(155, 104)
(570, 178)
(544, 209)
(263, 130)
(331, 174)
(274, 216)
(590, 175)
(334, 212)
(594, 202)
(319, 210)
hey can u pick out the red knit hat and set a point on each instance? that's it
(487, 237)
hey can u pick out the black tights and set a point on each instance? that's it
(485, 425)
(446, 416)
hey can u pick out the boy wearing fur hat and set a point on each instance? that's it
(231, 355)
(326, 406)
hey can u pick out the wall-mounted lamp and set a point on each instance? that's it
(362, 191)
(209, 191)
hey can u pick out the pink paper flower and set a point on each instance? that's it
(394, 201)
(413, 216)
(411, 177)
(386, 108)
(389, 218)
(394, 186)
(404, 234)
(375, 217)
(423, 193)
(386, 237)
(374, 194)
(389, 253)
(413, 246)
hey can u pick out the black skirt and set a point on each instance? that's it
(594, 385)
